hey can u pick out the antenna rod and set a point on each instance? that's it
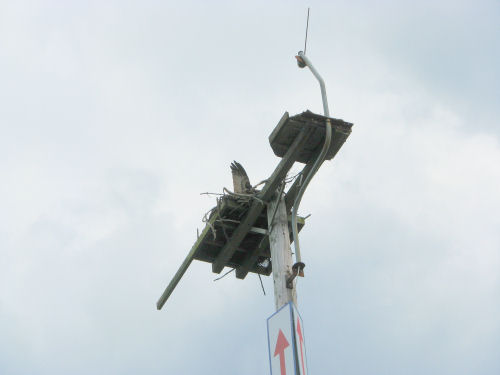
(307, 28)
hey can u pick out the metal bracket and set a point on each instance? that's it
(300, 62)
(297, 269)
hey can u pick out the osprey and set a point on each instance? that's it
(241, 182)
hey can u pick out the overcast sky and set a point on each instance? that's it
(116, 115)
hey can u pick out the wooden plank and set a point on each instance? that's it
(184, 266)
(284, 166)
(257, 206)
(251, 258)
(220, 244)
(284, 134)
(263, 248)
(278, 128)
(241, 231)
(255, 230)
(255, 269)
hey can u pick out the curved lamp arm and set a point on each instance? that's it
(303, 61)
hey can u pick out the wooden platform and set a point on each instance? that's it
(253, 251)
(289, 127)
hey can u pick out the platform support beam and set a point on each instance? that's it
(184, 266)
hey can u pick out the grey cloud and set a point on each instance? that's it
(114, 117)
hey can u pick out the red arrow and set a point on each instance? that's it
(301, 339)
(281, 345)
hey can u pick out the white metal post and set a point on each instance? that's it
(281, 253)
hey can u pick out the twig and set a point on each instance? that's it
(261, 284)
(260, 183)
(208, 193)
(290, 179)
(241, 195)
(229, 220)
(207, 221)
(227, 273)
(221, 224)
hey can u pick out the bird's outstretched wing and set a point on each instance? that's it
(241, 182)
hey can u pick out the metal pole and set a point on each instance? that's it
(307, 62)
(303, 61)
(281, 253)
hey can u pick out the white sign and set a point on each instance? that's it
(285, 334)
